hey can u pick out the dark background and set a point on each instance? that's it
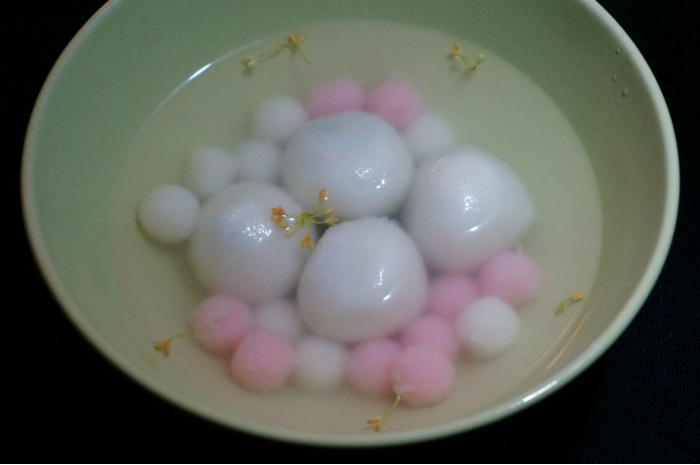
(640, 402)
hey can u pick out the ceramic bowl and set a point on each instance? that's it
(563, 96)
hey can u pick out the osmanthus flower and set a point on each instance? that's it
(378, 422)
(164, 345)
(293, 43)
(278, 215)
(323, 217)
(457, 54)
(565, 303)
(307, 243)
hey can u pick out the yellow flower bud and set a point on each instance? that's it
(295, 40)
(307, 243)
(163, 346)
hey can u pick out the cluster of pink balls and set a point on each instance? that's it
(395, 100)
(419, 361)
(466, 315)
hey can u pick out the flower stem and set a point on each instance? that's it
(164, 345)
(378, 422)
(571, 300)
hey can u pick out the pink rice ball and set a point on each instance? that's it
(449, 294)
(369, 367)
(511, 276)
(221, 322)
(335, 97)
(396, 101)
(423, 375)
(433, 331)
(263, 362)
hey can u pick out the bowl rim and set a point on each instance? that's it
(504, 409)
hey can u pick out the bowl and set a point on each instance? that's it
(562, 96)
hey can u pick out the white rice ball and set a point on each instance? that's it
(208, 170)
(487, 327)
(258, 160)
(277, 119)
(279, 316)
(320, 364)
(465, 207)
(357, 157)
(365, 279)
(169, 213)
(429, 135)
(237, 249)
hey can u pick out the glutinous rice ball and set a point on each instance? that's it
(464, 208)
(237, 249)
(358, 158)
(365, 279)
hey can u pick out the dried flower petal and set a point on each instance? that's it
(163, 346)
(565, 303)
(456, 52)
(331, 220)
(293, 43)
(250, 62)
(295, 40)
(378, 422)
(278, 215)
(307, 243)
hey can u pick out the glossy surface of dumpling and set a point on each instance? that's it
(464, 208)
(237, 249)
(358, 158)
(365, 279)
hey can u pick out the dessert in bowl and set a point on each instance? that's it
(596, 155)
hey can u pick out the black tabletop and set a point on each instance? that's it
(640, 402)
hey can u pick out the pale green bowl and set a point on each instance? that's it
(132, 55)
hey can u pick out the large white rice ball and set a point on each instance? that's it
(237, 249)
(364, 280)
(465, 207)
(357, 157)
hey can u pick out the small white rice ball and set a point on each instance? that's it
(277, 119)
(429, 135)
(464, 208)
(258, 160)
(487, 327)
(320, 364)
(237, 249)
(365, 279)
(357, 157)
(208, 170)
(169, 213)
(279, 316)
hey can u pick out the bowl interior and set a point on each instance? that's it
(563, 96)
